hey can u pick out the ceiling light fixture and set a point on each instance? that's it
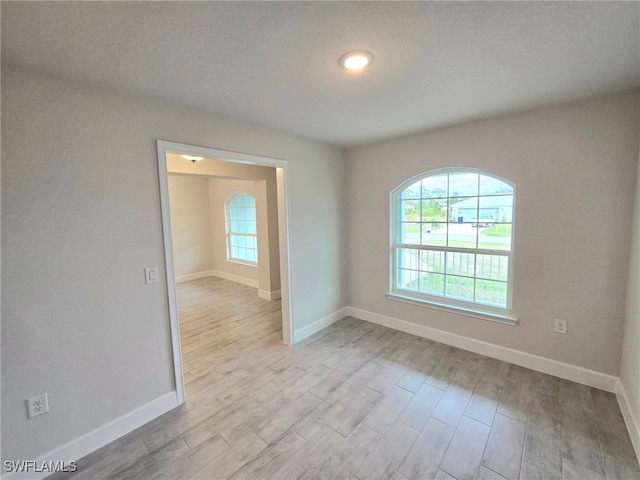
(356, 60)
(192, 158)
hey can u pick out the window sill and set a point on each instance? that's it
(242, 264)
(492, 317)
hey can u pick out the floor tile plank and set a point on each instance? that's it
(464, 454)
(419, 409)
(428, 451)
(505, 447)
(543, 444)
(388, 453)
(452, 405)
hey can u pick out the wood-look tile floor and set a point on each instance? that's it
(358, 401)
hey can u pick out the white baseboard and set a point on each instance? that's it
(101, 436)
(235, 278)
(318, 325)
(194, 276)
(629, 418)
(574, 373)
(267, 295)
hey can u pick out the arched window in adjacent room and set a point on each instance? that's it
(241, 229)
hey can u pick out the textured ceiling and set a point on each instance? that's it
(275, 63)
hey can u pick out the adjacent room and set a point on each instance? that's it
(226, 264)
(365, 240)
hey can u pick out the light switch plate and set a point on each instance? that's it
(150, 275)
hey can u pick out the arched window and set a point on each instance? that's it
(451, 242)
(242, 239)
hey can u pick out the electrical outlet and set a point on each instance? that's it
(38, 405)
(561, 326)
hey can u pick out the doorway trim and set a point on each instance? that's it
(282, 181)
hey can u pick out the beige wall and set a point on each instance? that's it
(630, 364)
(574, 167)
(190, 224)
(78, 320)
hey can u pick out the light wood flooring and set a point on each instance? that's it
(358, 401)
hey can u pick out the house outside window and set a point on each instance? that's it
(452, 242)
(241, 229)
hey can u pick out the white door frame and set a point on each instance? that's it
(282, 179)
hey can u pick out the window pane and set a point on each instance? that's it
(459, 287)
(410, 233)
(410, 210)
(492, 267)
(491, 293)
(432, 261)
(462, 264)
(492, 186)
(434, 210)
(432, 284)
(408, 258)
(462, 235)
(434, 186)
(498, 208)
(463, 209)
(496, 237)
(408, 279)
(412, 191)
(463, 184)
(434, 234)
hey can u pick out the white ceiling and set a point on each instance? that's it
(276, 63)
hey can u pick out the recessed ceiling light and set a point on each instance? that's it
(356, 60)
(192, 158)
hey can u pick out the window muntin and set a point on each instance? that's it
(452, 240)
(241, 229)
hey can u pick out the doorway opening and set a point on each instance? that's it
(218, 165)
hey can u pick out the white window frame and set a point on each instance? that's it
(229, 233)
(467, 308)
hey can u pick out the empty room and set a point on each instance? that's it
(320, 240)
